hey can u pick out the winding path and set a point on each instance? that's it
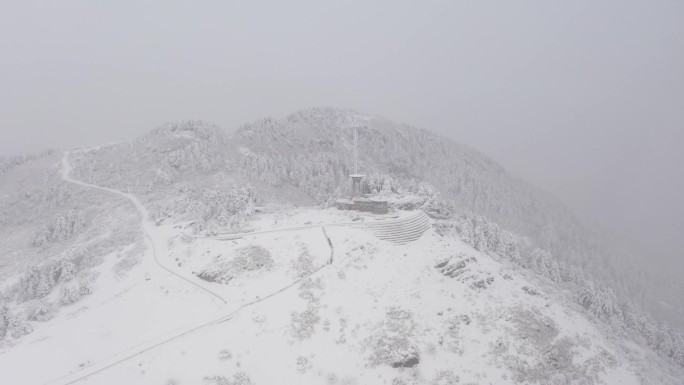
(384, 230)
(146, 225)
(143, 347)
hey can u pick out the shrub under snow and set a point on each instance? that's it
(13, 325)
(391, 341)
(239, 378)
(250, 258)
(72, 293)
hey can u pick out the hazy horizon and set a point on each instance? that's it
(581, 99)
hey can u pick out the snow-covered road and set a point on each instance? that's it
(228, 314)
(147, 226)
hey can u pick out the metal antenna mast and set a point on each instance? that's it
(356, 149)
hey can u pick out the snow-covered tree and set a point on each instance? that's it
(36, 283)
(60, 228)
(68, 295)
(18, 326)
(678, 349)
(599, 300)
(64, 269)
(226, 209)
(542, 263)
(4, 319)
(55, 196)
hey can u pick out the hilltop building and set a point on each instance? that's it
(358, 200)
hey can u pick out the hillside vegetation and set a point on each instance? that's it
(195, 175)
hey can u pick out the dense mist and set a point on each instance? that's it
(582, 99)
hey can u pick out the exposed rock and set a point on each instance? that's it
(407, 362)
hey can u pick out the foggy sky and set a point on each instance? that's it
(584, 99)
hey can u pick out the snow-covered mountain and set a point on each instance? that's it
(190, 255)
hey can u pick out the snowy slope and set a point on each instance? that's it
(305, 158)
(185, 257)
(377, 304)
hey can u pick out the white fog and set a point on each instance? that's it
(386, 192)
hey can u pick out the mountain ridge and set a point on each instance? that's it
(196, 181)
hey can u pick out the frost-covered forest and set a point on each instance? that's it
(202, 181)
(342, 193)
(54, 235)
(190, 169)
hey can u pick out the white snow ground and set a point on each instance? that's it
(346, 323)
